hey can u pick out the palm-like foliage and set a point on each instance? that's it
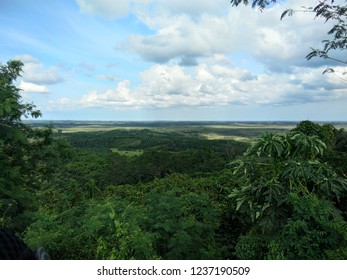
(273, 169)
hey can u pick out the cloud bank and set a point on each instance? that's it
(215, 82)
(193, 49)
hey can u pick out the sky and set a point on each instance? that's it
(175, 60)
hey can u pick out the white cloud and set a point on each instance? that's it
(118, 98)
(181, 37)
(34, 72)
(109, 9)
(180, 34)
(184, 31)
(191, 44)
(168, 8)
(112, 9)
(216, 82)
(26, 58)
(31, 87)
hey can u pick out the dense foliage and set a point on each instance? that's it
(294, 199)
(22, 150)
(150, 194)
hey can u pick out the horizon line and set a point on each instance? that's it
(152, 121)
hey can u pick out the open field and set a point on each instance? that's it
(210, 130)
(237, 131)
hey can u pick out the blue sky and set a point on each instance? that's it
(169, 60)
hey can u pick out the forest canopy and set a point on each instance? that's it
(170, 194)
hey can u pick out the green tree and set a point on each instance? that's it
(281, 184)
(325, 132)
(21, 147)
(11, 108)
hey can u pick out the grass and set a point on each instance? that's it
(127, 153)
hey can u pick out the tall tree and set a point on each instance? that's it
(20, 145)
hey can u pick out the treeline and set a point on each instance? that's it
(161, 154)
(283, 197)
(140, 139)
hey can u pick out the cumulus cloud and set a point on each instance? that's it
(191, 45)
(216, 82)
(34, 71)
(36, 77)
(27, 58)
(183, 35)
(120, 97)
(185, 31)
(31, 87)
(109, 9)
(166, 8)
